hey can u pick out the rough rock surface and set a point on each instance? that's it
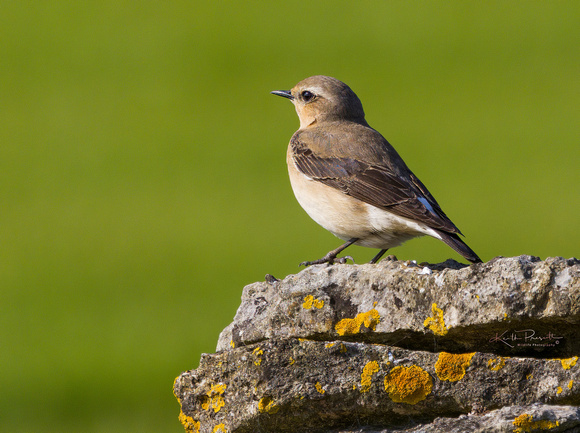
(397, 347)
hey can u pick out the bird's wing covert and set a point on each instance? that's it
(374, 184)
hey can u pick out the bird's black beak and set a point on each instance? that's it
(283, 93)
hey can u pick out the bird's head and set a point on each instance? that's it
(321, 99)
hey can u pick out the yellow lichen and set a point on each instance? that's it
(451, 367)
(570, 384)
(568, 363)
(267, 405)
(342, 348)
(436, 323)
(232, 344)
(257, 351)
(219, 388)
(408, 384)
(219, 428)
(524, 423)
(310, 301)
(366, 376)
(319, 388)
(292, 361)
(205, 402)
(559, 390)
(370, 319)
(217, 403)
(529, 376)
(496, 364)
(214, 398)
(329, 345)
(189, 424)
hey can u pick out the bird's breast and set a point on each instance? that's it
(337, 212)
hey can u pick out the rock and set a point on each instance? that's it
(397, 347)
(518, 419)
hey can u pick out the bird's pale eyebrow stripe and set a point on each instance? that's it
(426, 204)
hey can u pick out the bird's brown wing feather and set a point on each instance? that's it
(374, 184)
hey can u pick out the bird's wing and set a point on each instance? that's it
(375, 184)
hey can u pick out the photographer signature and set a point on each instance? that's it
(525, 337)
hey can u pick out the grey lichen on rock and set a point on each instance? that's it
(397, 347)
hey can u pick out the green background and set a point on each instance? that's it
(143, 179)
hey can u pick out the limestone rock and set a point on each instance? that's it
(397, 347)
(509, 306)
(513, 419)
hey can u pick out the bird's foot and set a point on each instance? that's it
(329, 258)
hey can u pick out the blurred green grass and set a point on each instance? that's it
(143, 178)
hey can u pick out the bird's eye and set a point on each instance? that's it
(307, 96)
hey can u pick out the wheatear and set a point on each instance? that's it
(351, 181)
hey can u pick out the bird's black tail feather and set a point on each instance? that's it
(455, 242)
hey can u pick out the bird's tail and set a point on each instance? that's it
(455, 242)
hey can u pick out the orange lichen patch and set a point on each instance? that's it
(310, 301)
(319, 388)
(370, 319)
(257, 351)
(292, 361)
(189, 424)
(205, 400)
(559, 390)
(568, 363)
(267, 405)
(219, 428)
(496, 364)
(570, 384)
(529, 376)
(329, 345)
(366, 376)
(524, 423)
(217, 403)
(451, 367)
(408, 384)
(436, 323)
(214, 398)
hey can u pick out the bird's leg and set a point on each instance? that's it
(331, 256)
(378, 256)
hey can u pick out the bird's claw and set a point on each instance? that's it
(329, 260)
(342, 260)
(314, 262)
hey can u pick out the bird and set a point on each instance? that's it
(351, 181)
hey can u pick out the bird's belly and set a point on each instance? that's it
(347, 217)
